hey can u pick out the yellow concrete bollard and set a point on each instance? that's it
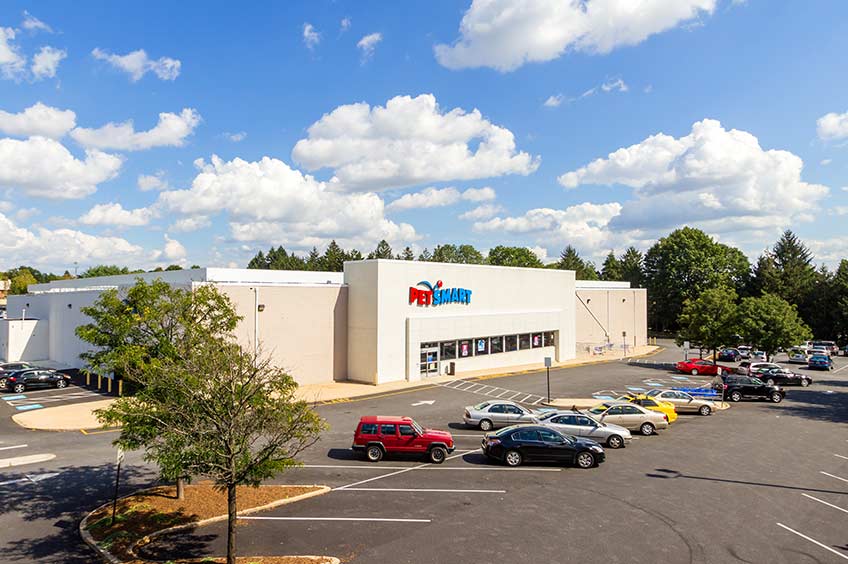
(108, 385)
(98, 382)
(88, 378)
(120, 387)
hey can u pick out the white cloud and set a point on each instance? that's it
(137, 64)
(311, 37)
(24, 214)
(825, 162)
(170, 131)
(344, 25)
(237, 137)
(174, 250)
(368, 44)
(830, 252)
(506, 34)
(46, 61)
(832, 126)
(554, 101)
(115, 214)
(484, 211)
(427, 198)
(31, 23)
(12, 63)
(716, 179)
(43, 167)
(484, 194)
(38, 119)
(187, 224)
(148, 182)
(270, 202)
(410, 141)
(617, 85)
(58, 249)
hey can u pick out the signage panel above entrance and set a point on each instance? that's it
(426, 294)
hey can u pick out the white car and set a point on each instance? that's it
(744, 351)
(820, 351)
(747, 368)
(798, 356)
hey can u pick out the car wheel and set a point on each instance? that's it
(438, 455)
(646, 428)
(513, 458)
(776, 397)
(62, 383)
(694, 372)
(614, 441)
(770, 382)
(486, 425)
(735, 396)
(705, 410)
(19, 388)
(374, 453)
(2, 382)
(804, 382)
(585, 460)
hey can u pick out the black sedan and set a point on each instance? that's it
(7, 368)
(737, 388)
(524, 443)
(731, 355)
(784, 377)
(24, 380)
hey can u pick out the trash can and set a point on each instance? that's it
(451, 369)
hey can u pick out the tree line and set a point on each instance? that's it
(22, 276)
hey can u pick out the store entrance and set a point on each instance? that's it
(429, 365)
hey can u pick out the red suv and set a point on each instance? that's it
(379, 435)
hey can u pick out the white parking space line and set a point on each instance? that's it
(826, 503)
(838, 369)
(378, 519)
(832, 476)
(410, 469)
(814, 541)
(21, 460)
(537, 401)
(474, 386)
(11, 447)
(840, 456)
(426, 490)
(505, 392)
(513, 395)
(525, 398)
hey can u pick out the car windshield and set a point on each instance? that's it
(598, 409)
(417, 427)
(654, 393)
(757, 381)
(481, 405)
(546, 416)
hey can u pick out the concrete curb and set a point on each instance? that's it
(112, 559)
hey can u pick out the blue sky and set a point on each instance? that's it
(500, 122)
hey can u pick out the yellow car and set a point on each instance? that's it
(665, 407)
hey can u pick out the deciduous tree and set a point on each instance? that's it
(710, 320)
(514, 256)
(769, 322)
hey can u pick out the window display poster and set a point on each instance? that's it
(537, 340)
(464, 348)
(481, 345)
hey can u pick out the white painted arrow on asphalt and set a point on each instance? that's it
(424, 402)
(31, 478)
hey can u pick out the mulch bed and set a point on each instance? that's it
(155, 509)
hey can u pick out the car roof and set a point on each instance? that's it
(384, 419)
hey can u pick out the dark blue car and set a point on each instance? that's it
(731, 355)
(821, 362)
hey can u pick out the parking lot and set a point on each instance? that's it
(40, 398)
(756, 483)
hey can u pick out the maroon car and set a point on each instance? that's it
(379, 435)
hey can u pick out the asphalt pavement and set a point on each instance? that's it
(756, 483)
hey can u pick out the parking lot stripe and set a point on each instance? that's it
(840, 456)
(379, 519)
(11, 447)
(814, 541)
(21, 460)
(826, 503)
(526, 398)
(513, 395)
(832, 476)
(505, 392)
(10, 398)
(537, 401)
(425, 490)
(28, 407)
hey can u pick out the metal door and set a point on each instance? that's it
(429, 362)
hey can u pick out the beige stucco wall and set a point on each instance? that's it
(616, 311)
(302, 327)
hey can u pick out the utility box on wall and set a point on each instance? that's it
(24, 339)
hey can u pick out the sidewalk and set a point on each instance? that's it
(79, 416)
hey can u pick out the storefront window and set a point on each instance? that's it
(448, 350)
(429, 345)
(524, 341)
(549, 338)
(511, 343)
(537, 340)
(481, 346)
(496, 345)
(464, 349)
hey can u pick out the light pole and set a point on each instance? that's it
(548, 375)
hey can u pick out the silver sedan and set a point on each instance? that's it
(582, 425)
(491, 414)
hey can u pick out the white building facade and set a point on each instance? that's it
(379, 321)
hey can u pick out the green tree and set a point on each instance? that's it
(769, 322)
(334, 257)
(682, 265)
(313, 260)
(407, 254)
(425, 256)
(21, 281)
(171, 267)
(612, 269)
(709, 321)
(569, 259)
(383, 251)
(104, 270)
(840, 302)
(632, 267)
(216, 412)
(514, 256)
(468, 254)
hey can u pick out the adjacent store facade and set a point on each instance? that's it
(379, 321)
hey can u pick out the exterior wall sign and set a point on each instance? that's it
(425, 294)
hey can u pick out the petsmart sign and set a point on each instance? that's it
(425, 294)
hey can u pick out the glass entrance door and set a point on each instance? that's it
(429, 364)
